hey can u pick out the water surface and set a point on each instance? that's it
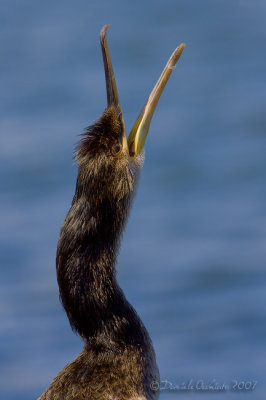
(193, 256)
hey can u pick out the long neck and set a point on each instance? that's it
(86, 257)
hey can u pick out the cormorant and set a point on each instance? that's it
(118, 359)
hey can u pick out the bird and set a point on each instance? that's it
(118, 359)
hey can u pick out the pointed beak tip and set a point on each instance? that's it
(103, 32)
(182, 46)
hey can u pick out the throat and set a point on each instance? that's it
(86, 257)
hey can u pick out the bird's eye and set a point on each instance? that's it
(117, 148)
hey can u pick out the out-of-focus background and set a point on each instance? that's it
(193, 256)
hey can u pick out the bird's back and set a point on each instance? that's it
(107, 375)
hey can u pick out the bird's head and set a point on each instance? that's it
(109, 162)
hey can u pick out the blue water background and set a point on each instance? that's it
(193, 255)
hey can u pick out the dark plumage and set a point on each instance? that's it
(118, 360)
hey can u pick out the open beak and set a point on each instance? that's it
(140, 129)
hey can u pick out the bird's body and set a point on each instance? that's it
(118, 360)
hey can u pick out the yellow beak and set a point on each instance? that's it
(140, 129)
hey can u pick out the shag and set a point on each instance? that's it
(118, 360)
